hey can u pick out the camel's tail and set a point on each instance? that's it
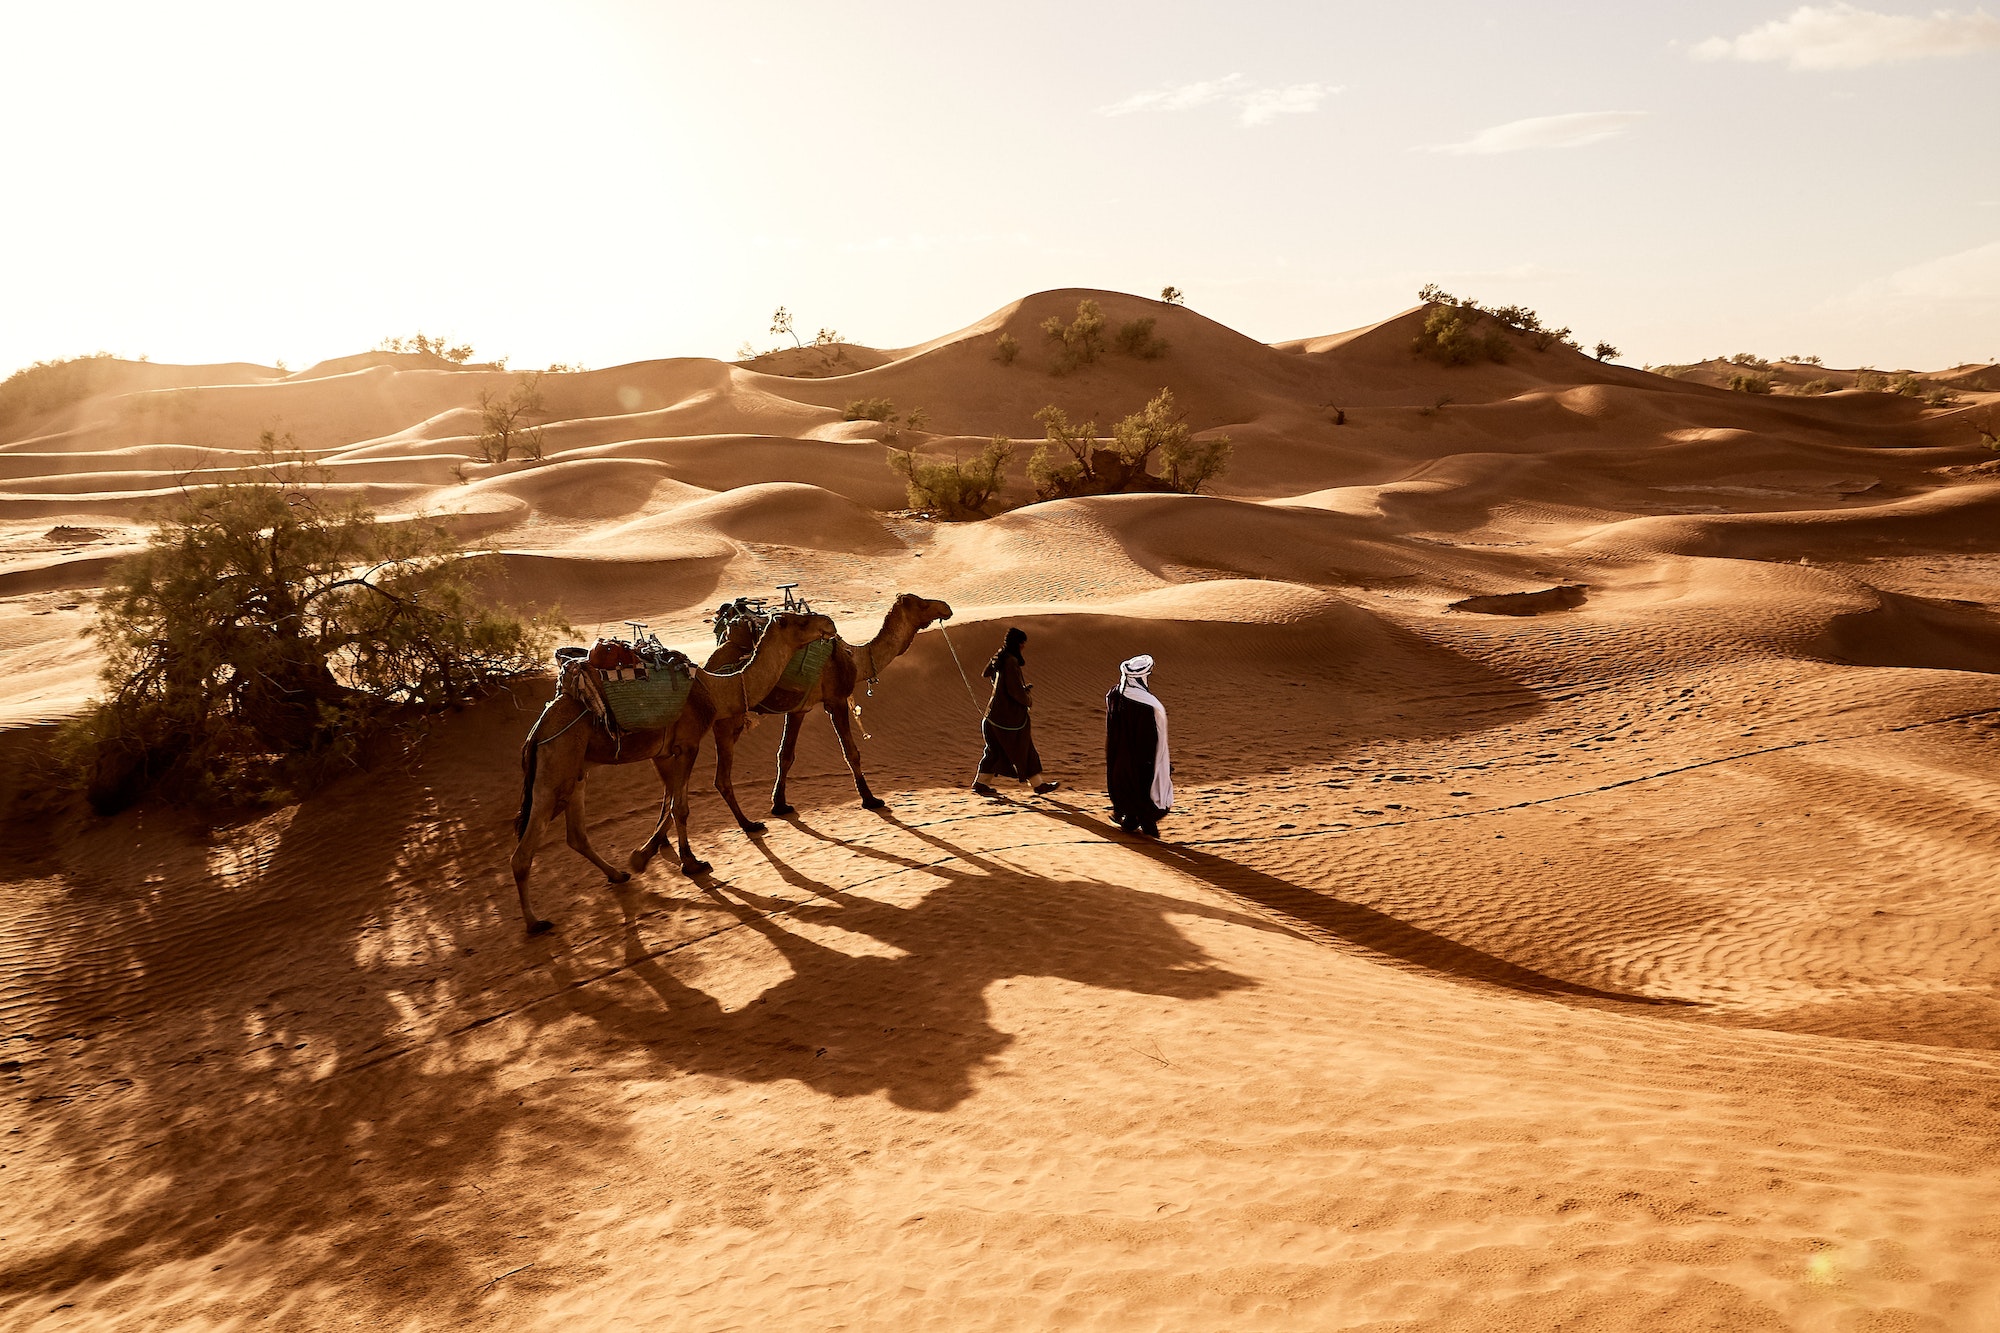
(531, 753)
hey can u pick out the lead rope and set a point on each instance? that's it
(977, 775)
(970, 696)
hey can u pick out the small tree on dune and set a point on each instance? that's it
(781, 322)
(1062, 463)
(504, 428)
(1173, 296)
(1605, 351)
(270, 631)
(1079, 342)
(957, 489)
(1159, 430)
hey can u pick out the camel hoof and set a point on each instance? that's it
(752, 829)
(539, 927)
(780, 809)
(874, 803)
(618, 877)
(693, 868)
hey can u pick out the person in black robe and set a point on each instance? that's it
(1010, 739)
(1138, 768)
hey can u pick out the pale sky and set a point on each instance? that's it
(601, 181)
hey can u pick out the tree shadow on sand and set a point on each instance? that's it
(244, 1060)
(903, 1011)
(1335, 920)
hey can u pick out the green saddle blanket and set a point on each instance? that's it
(802, 672)
(651, 704)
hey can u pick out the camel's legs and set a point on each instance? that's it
(644, 852)
(580, 839)
(727, 733)
(680, 765)
(843, 723)
(788, 749)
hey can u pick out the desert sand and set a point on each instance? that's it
(1615, 958)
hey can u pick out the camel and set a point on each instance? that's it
(566, 742)
(846, 669)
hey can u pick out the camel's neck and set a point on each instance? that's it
(740, 691)
(898, 632)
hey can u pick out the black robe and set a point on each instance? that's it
(1131, 735)
(1010, 740)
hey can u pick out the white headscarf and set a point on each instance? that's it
(1132, 684)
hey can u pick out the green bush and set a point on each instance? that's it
(1604, 351)
(1749, 359)
(1869, 380)
(1135, 338)
(1005, 348)
(1173, 295)
(1068, 461)
(1814, 388)
(1750, 383)
(423, 342)
(1451, 335)
(870, 409)
(957, 489)
(1079, 342)
(270, 631)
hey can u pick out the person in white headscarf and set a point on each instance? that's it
(1138, 770)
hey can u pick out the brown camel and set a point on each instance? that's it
(566, 742)
(845, 670)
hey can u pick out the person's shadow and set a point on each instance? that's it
(1335, 920)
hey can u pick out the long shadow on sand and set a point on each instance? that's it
(1347, 922)
(902, 1008)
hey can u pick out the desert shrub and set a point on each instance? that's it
(1005, 348)
(46, 386)
(1749, 359)
(956, 489)
(1987, 430)
(1451, 335)
(1068, 461)
(423, 342)
(1604, 351)
(781, 322)
(1062, 463)
(1518, 317)
(1869, 380)
(1750, 383)
(1079, 342)
(869, 409)
(1804, 360)
(1136, 338)
(504, 428)
(270, 632)
(1940, 395)
(1173, 296)
(566, 368)
(1816, 387)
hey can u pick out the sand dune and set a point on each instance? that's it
(1577, 914)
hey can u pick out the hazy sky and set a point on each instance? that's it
(610, 180)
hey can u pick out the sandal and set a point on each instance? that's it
(1044, 788)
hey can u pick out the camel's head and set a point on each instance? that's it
(922, 611)
(802, 628)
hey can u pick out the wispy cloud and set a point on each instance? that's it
(1843, 36)
(1255, 105)
(1261, 106)
(1570, 131)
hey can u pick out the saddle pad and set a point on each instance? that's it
(650, 704)
(802, 672)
